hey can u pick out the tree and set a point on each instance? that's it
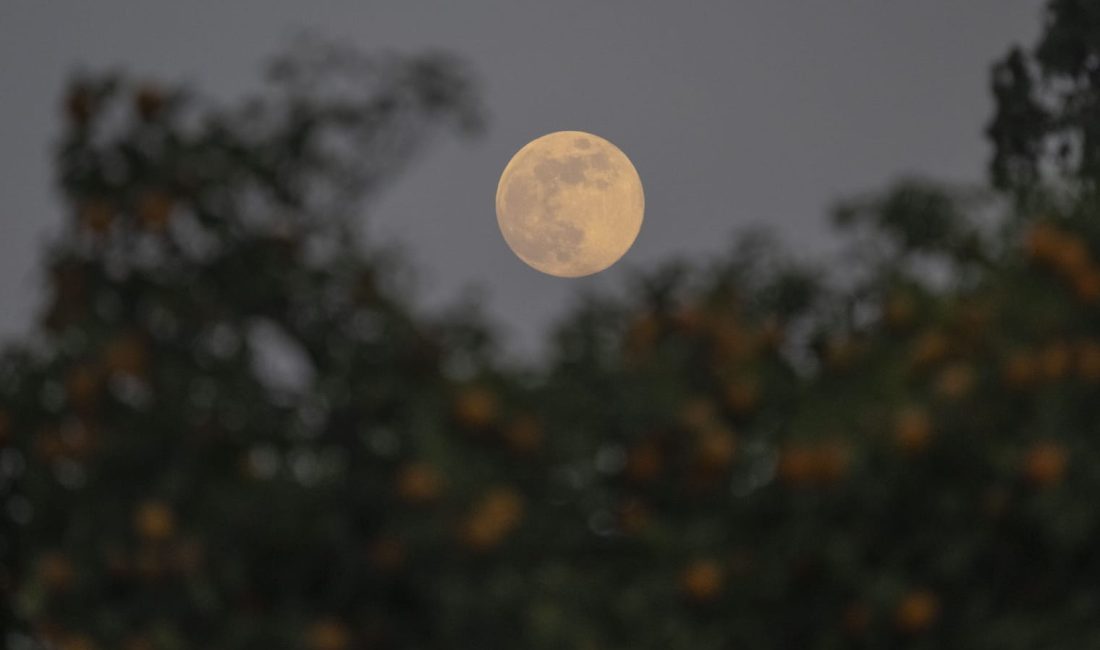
(208, 420)
(1046, 106)
(232, 431)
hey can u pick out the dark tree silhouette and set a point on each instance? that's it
(1048, 114)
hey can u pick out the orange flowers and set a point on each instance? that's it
(743, 396)
(824, 463)
(387, 554)
(154, 521)
(932, 347)
(715, 445)
(523, 435)
(715, 448)
(1042, 241)
(832, 459)
(327, 634)
(1068, 256)
(644, 462)
(476, 407)
(495, 516)
(796, 465)
(702, 581)
(1044, 464)
(75, 642)
(1086, 286)
(912, 429)
(55, 571)
(955, 381)
(1055, 361)
(917, 611)
(419, 483)
(1088, 361)
(1020, 370)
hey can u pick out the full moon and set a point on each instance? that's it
(570, 204)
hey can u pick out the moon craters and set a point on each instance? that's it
(570, 204)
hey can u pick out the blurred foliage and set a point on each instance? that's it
(231, 430)
(1047, 120)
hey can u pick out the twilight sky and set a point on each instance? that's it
(735, 113)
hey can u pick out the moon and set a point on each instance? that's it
(570, 204)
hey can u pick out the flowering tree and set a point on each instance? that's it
(231, 430)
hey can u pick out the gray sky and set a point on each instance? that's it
(735, 113)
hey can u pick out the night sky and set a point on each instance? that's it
(736, 114)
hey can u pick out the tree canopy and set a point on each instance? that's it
(231, 430)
